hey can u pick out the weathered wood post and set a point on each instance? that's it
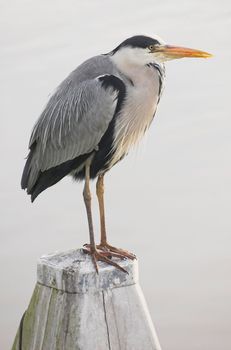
(73, 308)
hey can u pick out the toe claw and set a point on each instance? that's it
(123, 254)
(105, 256)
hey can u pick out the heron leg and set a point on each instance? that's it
(87, 201)
(120, 253)
(100, 196)
(91, 248)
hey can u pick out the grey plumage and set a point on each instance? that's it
(96, 115)
(75, 118)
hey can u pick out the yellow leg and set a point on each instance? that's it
(91, 248)
(87, 201)
(120, 253)
(100, 195)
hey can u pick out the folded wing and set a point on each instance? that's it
(71, 126)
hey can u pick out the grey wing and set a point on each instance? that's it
(72, 124)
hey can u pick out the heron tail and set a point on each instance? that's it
(27, 169)
(37, 181)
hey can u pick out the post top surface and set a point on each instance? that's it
(74, 272)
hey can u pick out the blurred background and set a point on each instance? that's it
(168, 201)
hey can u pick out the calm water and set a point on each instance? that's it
(169, 201)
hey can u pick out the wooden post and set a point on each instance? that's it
(73, 308)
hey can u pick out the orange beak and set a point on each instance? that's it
(173, 52)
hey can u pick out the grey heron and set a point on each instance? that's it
(95, 116)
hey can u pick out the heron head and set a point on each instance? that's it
(142, 50)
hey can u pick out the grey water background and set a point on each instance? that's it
(168, 201)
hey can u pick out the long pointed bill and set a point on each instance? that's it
(174, 52)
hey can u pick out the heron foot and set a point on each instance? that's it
(104, 256)
(113, 250)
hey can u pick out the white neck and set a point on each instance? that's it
(132, 61)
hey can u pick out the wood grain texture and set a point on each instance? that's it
(73, 308)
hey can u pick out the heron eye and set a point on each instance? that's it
(151, 47)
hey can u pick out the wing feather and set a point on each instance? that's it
(72, 124)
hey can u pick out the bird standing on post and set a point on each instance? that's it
(95, 116)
